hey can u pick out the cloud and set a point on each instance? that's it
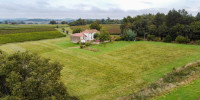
(90, 8)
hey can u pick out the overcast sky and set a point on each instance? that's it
(91, 8)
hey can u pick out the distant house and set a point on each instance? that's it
(85, 36)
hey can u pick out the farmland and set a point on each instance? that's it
(113, 29)
(118, 69)
(20, 33)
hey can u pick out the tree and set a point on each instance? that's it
(96, 35)
(153, 30)
(172, 18)
(195, 28)
(130, 35)
(197, 16)
(52, 22)
(77, 30)
(96, 26)
(6, 22)
(28, 76)
(63, 22)
(14, 23)
(162, 30)
(104, 36)
(159, 19)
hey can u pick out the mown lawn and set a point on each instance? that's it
(117, 69)
(186, 92)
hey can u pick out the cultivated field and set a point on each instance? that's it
(20, 33)
(113, 29)
(118, 69)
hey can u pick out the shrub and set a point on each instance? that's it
(77, 30)
(104, 36)
(139, 39)
(28, 76)
(130, 35)
(168, 39)
(88, 43)
(197, 42)
(181, 39)
(150, 37)
(96, 35)
(82, 46)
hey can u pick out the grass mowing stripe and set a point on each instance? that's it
(118, 69)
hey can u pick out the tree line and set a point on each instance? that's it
(90, 21)
(173, 24)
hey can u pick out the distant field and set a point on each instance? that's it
(20, 33)
(32, 36)
(111, 28)
(117, 69)
(7, 26)
(25, 30)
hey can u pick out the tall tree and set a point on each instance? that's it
(159, 19)
(172, 18)
(96, 26)
(25, 76)
(197, 16)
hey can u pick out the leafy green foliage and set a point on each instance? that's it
(130, 35)
(96, 35)
(28, 76)
(181, 39)
(168, 39)
(151, 37)
(78, 22)
(104, 36)
(96, 26)
(77, 30)
(21, 37)
(52, 22)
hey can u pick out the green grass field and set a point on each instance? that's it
(186, 92)
(117, 69)
(113, 29)
(8, 26)
(20, 33)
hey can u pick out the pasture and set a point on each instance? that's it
(113, 29)
(117, 69)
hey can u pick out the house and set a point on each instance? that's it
(84, 36)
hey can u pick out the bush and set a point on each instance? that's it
(28, 76)
(197, 42)
(181, 39)
(151, 37)
(77, 30)
(96, 35)
(88, 44)
(139, 39)
(82, 46)
(168, 39)
(131, 35)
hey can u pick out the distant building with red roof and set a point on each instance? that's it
(84, 36)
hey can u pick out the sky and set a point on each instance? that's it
(116, 9)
